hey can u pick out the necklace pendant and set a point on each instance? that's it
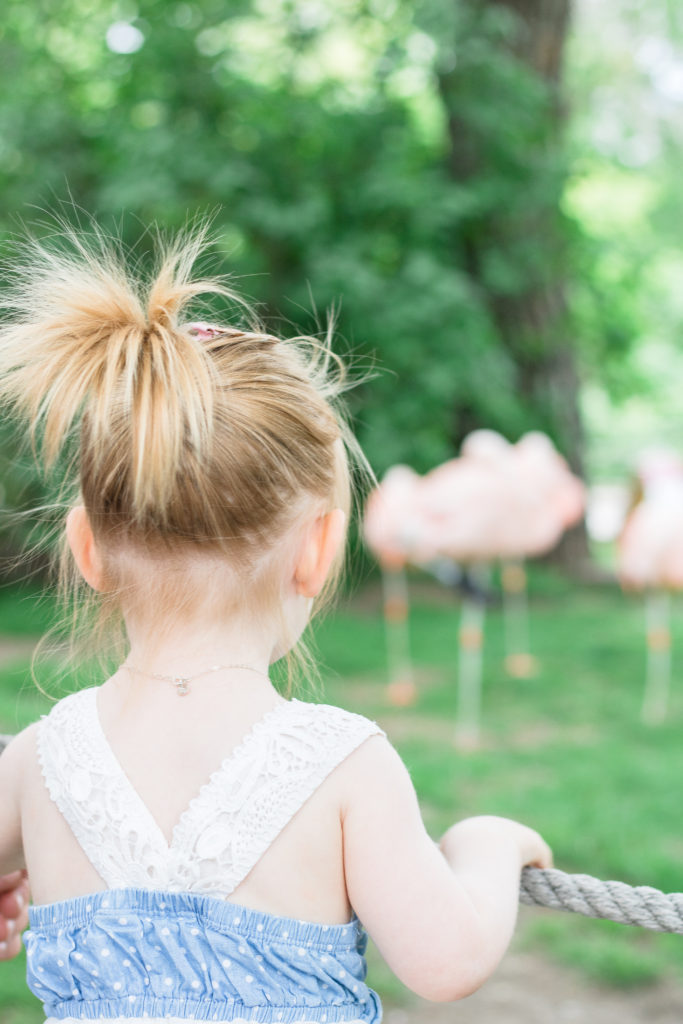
(181, 686)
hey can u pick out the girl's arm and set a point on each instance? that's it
(441, 915)
(14, 895)
(13, 912)
(11, 774)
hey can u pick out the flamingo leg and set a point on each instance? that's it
(401, 689)
(656, 698)
(519, 662)
(470, 666)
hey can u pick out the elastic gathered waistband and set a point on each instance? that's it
(219, 913)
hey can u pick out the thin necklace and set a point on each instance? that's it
(181, 683)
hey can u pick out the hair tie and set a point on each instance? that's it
(205, 331)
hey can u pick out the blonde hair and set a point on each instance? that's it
(179, 438)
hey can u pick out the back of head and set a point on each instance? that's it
(188, 439)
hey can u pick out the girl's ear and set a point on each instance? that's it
(322, 543)
(84, 549)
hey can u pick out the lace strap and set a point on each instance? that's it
(251, 802)
(108, 819)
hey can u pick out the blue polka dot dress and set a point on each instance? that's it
(163, 942)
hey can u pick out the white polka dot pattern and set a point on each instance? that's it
(193, 962)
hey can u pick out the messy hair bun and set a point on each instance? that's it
(87, 343)
(185, 436)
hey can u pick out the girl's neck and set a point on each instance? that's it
(157, 659)
(188, 649)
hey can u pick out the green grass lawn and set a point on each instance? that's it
(564, 752)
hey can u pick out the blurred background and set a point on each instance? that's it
(488, 193)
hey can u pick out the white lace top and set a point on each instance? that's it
(226, 828)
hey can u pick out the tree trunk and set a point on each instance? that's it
(521, 159)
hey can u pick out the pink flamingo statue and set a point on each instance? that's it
(650, 558)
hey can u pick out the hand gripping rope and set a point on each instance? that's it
(641, 905)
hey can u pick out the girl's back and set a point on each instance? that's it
(261, 837)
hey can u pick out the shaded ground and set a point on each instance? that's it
(528, 989)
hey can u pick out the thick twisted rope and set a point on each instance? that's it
(641, 905)
(615, 901)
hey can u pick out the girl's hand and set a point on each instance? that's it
(534, 851)
(532, 848)
(14, 899)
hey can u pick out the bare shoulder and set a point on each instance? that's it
(18, 758)
(373, 771)
(21, 747)
(16, 763)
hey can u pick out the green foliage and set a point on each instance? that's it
(322, 137)
(626, 142)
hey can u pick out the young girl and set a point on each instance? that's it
(199, 847)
